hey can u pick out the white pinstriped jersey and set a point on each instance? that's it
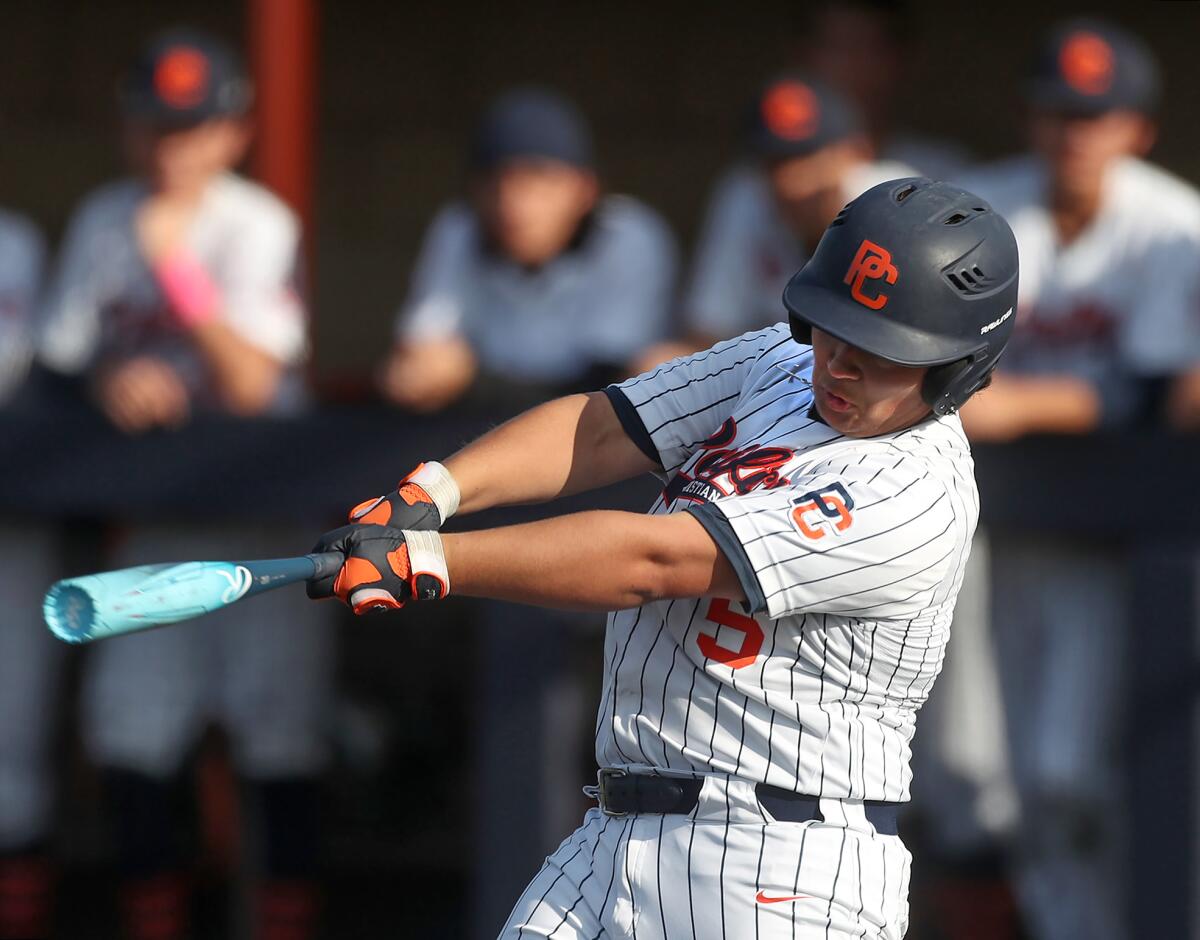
(850, 551)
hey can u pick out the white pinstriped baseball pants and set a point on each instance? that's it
(728, 871)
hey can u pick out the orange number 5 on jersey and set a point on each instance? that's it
(752, 636)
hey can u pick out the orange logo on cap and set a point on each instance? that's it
(870, 262)
(791, 111)
(181, 77)
(1086, 62)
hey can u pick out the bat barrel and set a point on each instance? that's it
(79, 610)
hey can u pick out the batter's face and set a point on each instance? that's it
(533, 208)
(861, 395)
(183, 160)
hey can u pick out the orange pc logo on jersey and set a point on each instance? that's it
(181, 77)
(791, 111)
(1086, 62)
(823, 511)
(871, 262)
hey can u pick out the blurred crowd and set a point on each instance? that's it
(179, 289)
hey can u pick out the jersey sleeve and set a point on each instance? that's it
(876, 540)
(669, 411)
(720, 290)
(259, 284)
(436, 304)
(636, 283)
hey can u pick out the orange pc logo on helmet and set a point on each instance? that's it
(181, 77)
(871, 262)
(791, 111)
(1086, 62)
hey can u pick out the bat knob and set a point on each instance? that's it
(69, 612)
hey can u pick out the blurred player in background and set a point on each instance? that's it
(1110, 259)
(536, 282)
(175, 294)
(28, 655)
(808, 157)
(866, 49)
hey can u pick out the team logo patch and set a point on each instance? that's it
(723, 470)
(824, 511)
(871, 263)
(1086, 62)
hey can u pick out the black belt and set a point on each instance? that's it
(621, 793)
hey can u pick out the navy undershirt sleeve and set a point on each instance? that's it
(632, 422)
(717, 526)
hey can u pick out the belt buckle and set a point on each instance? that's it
(603, 776)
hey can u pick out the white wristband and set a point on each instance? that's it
(435, 480)
(427, 557)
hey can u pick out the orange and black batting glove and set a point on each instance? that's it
(424, 499)
(385, 568)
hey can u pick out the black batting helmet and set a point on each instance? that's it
(917, 272)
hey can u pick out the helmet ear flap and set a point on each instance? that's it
(946, 388)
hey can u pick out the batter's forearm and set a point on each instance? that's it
(591, 561)
(565, 446)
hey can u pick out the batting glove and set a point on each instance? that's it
(424, 499)
(385, 568)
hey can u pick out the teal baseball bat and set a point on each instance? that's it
(95, 606)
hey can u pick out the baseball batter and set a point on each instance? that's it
(1110, 289)
(782, 611)
(176, 293)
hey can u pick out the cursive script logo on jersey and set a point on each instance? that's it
(824, 511)
(871, 263)
(724, 470)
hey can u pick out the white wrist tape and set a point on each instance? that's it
(435, 480)
(427, 557)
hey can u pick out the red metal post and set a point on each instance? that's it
(282, 53)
